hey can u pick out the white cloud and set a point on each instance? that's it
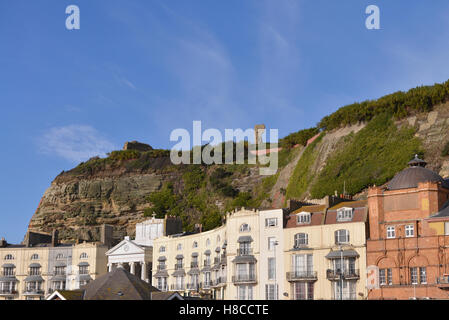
(75, 143)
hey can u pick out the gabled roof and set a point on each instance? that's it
(350, 204)
(166, 296)
(123, 243)
(67, 295)
(311, 209)
(118, 285)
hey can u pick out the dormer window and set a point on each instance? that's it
(303, 218)
(245, 228)
(345, 214)
(9, 257)
(35, 257)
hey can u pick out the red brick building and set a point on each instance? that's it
(408, 246)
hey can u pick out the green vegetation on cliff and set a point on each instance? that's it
(303, 175)
(399, 104)
(371, 156)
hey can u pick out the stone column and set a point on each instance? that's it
(144, 271)
(133, 268)
(110, 267)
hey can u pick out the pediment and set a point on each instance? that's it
(125, 247)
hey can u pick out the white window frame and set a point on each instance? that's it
(345, 214)
(409, 231)
(303, 218)
(245, 227)
(271, 268)
(391, 232)
(301, 239)
(271, 222)
(342, 234)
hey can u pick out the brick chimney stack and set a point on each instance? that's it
(54, 238)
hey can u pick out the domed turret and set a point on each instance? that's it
(416, 173)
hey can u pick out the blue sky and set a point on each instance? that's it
(138, 69)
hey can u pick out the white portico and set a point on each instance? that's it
(137, 259)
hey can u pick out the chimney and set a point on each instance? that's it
(106, 235)
(54, 238)
(3, 243)
(198, 228)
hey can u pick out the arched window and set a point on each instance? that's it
(84, 256)
(9, 257)
(162, 249)
(35, 257)
(301, 239)
(59, 256)
(245, 228)
(179, 246)
(341, 236)
(207, 242)
(195, 244)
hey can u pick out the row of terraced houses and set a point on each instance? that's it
(392, 245)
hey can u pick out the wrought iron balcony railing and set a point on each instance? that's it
(301, 275)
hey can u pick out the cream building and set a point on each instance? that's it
(315, 252)
(34, 269)
(325, 252)
(230, 262)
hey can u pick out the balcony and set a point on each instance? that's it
(161, 267)
(220, 281)
(244, 278)
(245, 252)
(223, 260)
(8, 292)
(351, 274)
(206, 285)
(206, 263)
(302, 276)
(33, 292)
(194, 265)
(177, 287)
(193, 286)
(179, 266)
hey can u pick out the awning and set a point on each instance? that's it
(217, 249)
(162, 273)
(84, 277)
(207, 252)
(35, 265)
(195, 254)
(83, 264)
(60, 264)
(180, 256)
(193, 271)
(179, 273)
(33, 278)
(245, 239)
(58, 278)
(346, 254)
(8, 265)
(244, 259)
(8, 279)
(162, 258)
(224, 245)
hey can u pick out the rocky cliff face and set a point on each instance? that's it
(80, 200)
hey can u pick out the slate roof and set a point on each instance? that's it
(118, 285)
(443, 213)
(72, 295)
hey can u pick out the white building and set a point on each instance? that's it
(136, 256)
